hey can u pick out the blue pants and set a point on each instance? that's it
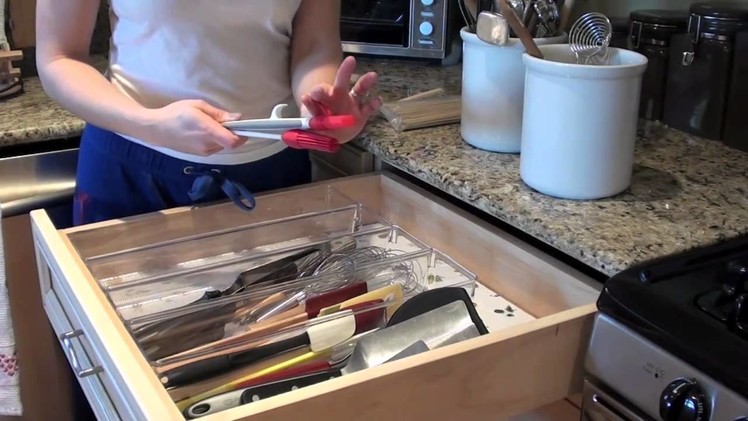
(117, 178)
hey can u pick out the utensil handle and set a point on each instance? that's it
(520, 30)
(214, 404)
(201, 369)
(268, 390)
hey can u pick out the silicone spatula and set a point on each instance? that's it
(298, 314)
(317, 337)
(442, 326)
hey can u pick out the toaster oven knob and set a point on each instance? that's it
(426, 28)
(683, 400)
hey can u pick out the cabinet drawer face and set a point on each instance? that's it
(90, 378)
(538, 311)
(350, 160)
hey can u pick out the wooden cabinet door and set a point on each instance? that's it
(23, 23)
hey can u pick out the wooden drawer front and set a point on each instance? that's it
(505, 373)
(489, 378)
(128, 386)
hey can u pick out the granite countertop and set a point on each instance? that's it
(34, 117)
(687, 192)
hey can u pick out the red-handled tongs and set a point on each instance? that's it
(277, 122)
(293, 131)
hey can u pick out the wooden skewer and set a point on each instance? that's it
(410, 115)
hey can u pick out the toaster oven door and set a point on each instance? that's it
(384, 22)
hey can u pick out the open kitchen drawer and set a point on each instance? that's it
(519, 366)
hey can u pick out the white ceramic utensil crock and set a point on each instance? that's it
(493, 80)
(579, 123)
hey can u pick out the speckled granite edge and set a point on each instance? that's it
(34, 117)
(686, 192)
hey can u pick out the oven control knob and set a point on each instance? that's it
(683, 400)
(736, 279)
(426, 28)
(427, 2)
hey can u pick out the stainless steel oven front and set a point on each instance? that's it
(421, 29)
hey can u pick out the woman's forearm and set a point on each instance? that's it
(63, 37)
(85, 92)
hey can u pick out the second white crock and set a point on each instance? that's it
(580, 122)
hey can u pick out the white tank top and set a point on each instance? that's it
(234, 54)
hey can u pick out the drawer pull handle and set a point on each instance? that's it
(68, 345)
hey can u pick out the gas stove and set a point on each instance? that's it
(670, 340)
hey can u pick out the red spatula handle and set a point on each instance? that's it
(300, 139)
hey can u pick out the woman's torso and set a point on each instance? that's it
(234, 54)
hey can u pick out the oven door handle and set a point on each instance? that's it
(600, 403)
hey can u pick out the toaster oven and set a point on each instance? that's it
(419, 29)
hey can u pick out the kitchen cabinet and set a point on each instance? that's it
(30, 181)
(23, 23)
(349, 160)
(505, 373)
(45, 380)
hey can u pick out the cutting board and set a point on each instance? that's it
(23, 23)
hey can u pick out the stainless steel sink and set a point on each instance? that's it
(34, 181)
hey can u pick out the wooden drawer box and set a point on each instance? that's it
(494, 376)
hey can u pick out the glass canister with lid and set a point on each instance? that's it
(736, 123)
(700, 68)
(619, 37)
(649, 33)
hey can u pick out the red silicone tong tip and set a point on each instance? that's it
(299, 139)
(332, 122)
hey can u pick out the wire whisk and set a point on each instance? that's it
(361, 263)
(590, 36)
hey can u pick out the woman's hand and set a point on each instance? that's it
(338, 99)
(191, 126)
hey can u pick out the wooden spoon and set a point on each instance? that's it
(524, 35)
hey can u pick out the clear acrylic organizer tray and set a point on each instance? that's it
(164, 294)
(164, 259)
(415, 268)
(176, 288)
